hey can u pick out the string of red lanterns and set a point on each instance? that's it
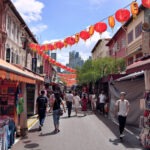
(121, 15)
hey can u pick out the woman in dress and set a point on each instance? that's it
(76, 102)
(56, 108)
(84, 104)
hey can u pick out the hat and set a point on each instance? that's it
(123, 93)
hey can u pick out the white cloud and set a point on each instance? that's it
(39, 28)
(30, 10)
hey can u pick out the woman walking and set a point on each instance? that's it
(84, 104)
(56, 109)
(76, 102)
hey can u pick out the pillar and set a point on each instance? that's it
(23, 116)
(147, 80)
(35, 96)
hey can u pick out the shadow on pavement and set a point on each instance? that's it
(48, 134)
(129, 141)
(28, 141)
(34, 130)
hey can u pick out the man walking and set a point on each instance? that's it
(122, 107)
(41, 104)
(69, 100)
(102, 100)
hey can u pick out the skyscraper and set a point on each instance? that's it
(75, 60)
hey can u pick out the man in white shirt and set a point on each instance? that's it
(102, 100)
(69, 100)
(122, 107)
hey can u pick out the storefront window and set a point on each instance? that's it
(130, 60)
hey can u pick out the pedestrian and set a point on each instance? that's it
(93, 101)
(51, 99)
(122, 107)
(102, 100)
(56, 110)
(41, 104)
(76, 102)
(69, 98)
(84, 104)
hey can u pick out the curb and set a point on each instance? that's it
(33, 122)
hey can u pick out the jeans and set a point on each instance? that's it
(122, 122)
(69, 106)
(42, 115)
(101, 108)
(56, 117)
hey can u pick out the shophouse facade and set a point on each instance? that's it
(100, 50)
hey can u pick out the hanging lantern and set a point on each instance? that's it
(50, 47)
(40, 52)
(134, 9)
(146, 3)
(65, 43)
(43, 48)
(111, 21)
(59, 44)
(100, 27)
(91, 30)
(122, 15)
(70, 40)
(84, 35)
(77, 37)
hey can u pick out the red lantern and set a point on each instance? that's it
(146, 3)
(59, 44)
(122, 15)
(50, 47)
(40, 52)
(70, 40)
(100, 27)
(43, 48)
(84, 35)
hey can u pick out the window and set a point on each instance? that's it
(17, 33)
(138, 30)
(9, 23)
(130, 60)
(8, 55)
(123, 42)
(130, 37)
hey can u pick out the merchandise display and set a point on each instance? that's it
(145, 123)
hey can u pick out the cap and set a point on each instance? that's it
(123, 93)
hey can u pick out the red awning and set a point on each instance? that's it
(139, 66)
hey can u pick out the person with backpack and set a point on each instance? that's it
(57, 110)
(41, 104)
(122, 107)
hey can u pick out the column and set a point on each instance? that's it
(35, 96)
(23, 116)
(147, 80)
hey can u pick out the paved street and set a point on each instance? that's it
(78, 133)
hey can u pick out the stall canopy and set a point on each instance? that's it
(139, 66)
(11, 72)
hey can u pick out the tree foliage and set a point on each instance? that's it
(93, 70)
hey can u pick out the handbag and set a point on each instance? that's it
(60, 113)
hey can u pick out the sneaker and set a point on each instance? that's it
(121, 135)
(40, 128)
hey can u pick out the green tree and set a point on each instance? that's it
(93, 70)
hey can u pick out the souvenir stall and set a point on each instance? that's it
(8, 100)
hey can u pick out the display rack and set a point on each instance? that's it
(145, 123)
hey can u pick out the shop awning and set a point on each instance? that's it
(139, 66)
(11, 72)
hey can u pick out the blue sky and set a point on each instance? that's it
(52, 20)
